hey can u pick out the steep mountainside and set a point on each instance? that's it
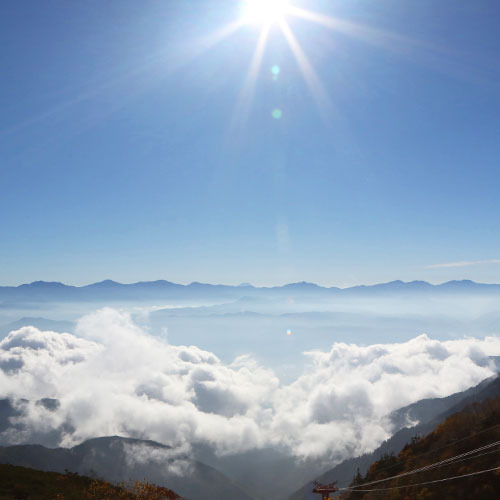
(465, 444)
(346, 470)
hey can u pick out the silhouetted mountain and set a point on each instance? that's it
(42, 291)
(44, 285)
(119, 459)
(435, 410)
(304, 285)
(38, 291)
(395, 285)
(109, 284)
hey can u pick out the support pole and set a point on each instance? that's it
(325, 489)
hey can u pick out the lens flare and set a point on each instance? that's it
(277, 114)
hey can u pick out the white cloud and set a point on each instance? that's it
(464, 263)
(112, 377)
(174, 460)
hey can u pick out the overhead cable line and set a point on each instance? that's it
(413, 458)
(470, 458)
(447, 461)
(426, 482)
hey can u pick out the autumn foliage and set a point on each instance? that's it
(478, 425)
(99, 490)
(24, 483)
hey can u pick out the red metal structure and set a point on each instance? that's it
(325, 489)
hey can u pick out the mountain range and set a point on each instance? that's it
(112, 290)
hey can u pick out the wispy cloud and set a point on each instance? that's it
(464, 263)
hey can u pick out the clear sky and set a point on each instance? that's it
(358, 142)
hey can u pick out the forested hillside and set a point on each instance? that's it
(22, 483)
(459, 460)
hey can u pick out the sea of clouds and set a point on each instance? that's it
(113, 378)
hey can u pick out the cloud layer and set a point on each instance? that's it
(112, 377)
(464, 263)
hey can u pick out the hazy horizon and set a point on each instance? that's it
(250, 283)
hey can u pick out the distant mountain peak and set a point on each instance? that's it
(301, 284)
(104, 284)
(154, 284)
(44, 284)
(107, 441)
(460, 282)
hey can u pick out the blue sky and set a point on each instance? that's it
(129, 147)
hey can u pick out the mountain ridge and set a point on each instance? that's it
(45, 291)
(306, 284)
(119, 459)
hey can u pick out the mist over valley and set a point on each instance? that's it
(250, 381)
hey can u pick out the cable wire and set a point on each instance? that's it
(447, 461)
(411, 459)
(470, 458)
(427, 482)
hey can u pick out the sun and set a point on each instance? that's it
(278, 15)
(265, 12)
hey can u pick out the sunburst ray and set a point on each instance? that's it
(311, 77)
(247, 92)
